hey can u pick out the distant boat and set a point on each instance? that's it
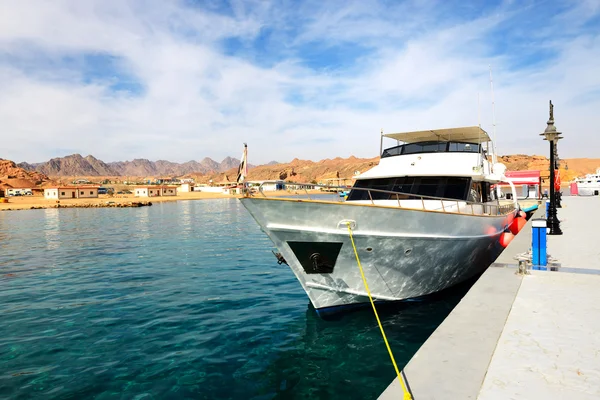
(589, 185)
(424, 219)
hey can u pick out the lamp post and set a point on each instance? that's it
(552, 135)
(558, 193)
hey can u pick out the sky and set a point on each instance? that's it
(182, 80)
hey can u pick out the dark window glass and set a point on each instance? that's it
(392, 151)
(456, 188)
(424, 147)
(431, 147)
(427, 186)
(464, 147)
(451, 188)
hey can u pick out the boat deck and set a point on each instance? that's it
(516, 336)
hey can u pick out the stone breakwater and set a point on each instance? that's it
(86, 205)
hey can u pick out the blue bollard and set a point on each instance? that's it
(539, 257)
(547, 208)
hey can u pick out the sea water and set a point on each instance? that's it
(180, 301)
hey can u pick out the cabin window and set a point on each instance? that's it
(411, 188)
(431, 147)
(81, 193)
(425, 147)
(463, 147)
(62, 193)
(92, 193)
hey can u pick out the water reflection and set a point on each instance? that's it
(333, 357)
(141, 223)
(52, 228)
(185, 224)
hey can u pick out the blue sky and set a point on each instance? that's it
(182, 80)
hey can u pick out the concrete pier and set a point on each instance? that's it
(533, 336)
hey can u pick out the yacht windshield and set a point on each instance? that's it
(431, 147)
(411, 188)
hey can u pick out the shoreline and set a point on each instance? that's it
(20, 203)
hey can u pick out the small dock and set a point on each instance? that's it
(515, 336)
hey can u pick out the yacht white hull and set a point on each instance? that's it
(588, 190)
(404, 253)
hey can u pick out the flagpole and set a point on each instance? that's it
(243, 169)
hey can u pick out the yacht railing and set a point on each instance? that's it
(429, 203)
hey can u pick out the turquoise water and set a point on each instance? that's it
(176, 301)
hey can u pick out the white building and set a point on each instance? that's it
(19, 192)
(209, 189)
(71, 192)
(268, 186)
(169, 191)
(186, 187)
(155, 191)
(147, 191)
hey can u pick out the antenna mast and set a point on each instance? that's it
(494, 156)
(478, 111)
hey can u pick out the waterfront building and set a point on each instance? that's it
(71, 192)
(186, 188)
(169, 191)
(148, 191)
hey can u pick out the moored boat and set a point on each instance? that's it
(426, 218)
(589, 185)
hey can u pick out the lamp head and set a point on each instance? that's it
(551, 133)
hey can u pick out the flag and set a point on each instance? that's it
(557, 180)
(243, 168)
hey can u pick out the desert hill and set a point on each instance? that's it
(12, 176)
(298, 170)
(570, 168)
(320, 171)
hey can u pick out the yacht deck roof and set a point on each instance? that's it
(469, 134)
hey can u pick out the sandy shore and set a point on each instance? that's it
(36, 202)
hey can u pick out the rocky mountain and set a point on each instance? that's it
(135, 167)
(570, 168)
(73, 165)
(13, 176)
(76, 165)
(336, 171)
(341, 170)
(208, 164)
(228, 163)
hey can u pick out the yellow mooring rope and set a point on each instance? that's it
(407, 395)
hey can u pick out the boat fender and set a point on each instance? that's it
(506, 238)
(517, 224)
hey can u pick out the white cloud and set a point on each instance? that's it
(424, 69)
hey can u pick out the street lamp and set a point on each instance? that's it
(552, 136)
(558, 193)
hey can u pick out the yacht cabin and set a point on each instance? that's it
(444, 163)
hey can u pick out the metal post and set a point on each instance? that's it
(553, 222)
(539, 257)
(557, 168)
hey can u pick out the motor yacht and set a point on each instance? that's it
(424, 219)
